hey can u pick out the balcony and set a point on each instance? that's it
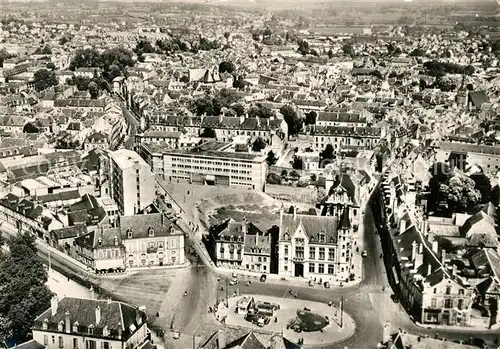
(152, 249)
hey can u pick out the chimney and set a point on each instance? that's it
(97, 315)
(109, 300)
(221, 340)
(67, 322)
(91, 291)
(402, 226)
(387, 332)
(53, 305)
(294, 213)
(443, 257)
(419, 260)
(435, 246)
(455, 269)
(429, 269)
(281, 215)
(414, 250)
(420, 248)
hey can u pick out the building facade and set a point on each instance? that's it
(132, 182)
(151, 240)
(315, 246)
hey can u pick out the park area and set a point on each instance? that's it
(308, 323)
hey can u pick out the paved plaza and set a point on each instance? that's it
(282, 317)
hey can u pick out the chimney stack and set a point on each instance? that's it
(67, 322)
(97, 315)
(294, 213)
(429, 269)
(414, 250)
(455, 269)
(402, 226)
(420, 248)
(221, 340)
(443, 257)
(91, 291)
(435, 246)
(53, 305)
(387, 332)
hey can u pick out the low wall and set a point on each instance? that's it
(291, 194)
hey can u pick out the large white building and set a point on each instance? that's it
(315, 246)
(212, 164)
(132, 181)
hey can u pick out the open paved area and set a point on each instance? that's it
(65, 287)
(286, 315)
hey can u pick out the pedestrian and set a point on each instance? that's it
(157, 314)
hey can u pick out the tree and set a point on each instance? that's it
(327, 153)
(226, 67)
(44, 78)
(462, 195)
(297, 164)
(304, 48)
(3, 56)
(271, 158)
(239, 109)
(284, 174)
(93, 89)
(227, 35)
(63, 40)
(294, 175)
(51, 66)
(311, 118)
(208, 133)
(291, 118)
(30, 128)
(330, 54)
(259, 144)
(314, 178)
(24, 292)
(348, 49)
(261, 111)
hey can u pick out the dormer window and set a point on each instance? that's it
(99, 242)
(60, 326)
(129, 233)
(151, 231)
(91, 329)
(321, 237)
(45, 325)
(231, 238)
(116, 240)
(75, 327)
(105, 331)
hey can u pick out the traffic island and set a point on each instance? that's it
(302, 322)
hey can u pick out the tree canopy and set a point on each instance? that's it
(227, 67)
(31, 128)
(261, 111)
(311, 118)
(44, 78)
(259, 144)
(213, 105)
(292, 119)
(113, 61)
(208, 133)
(24, 293)
(271, 158)
(451, 191)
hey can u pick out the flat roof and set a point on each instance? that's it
(125, 158)
(217, 155)
(32, 184)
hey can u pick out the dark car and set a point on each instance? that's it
(394, 298)
(263, 278)
(478, 342)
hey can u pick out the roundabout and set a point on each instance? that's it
(303, 322)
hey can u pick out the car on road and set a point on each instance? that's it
(364, 254)
(395, 298)
(263, 278)
(176, 335)
(234, 281)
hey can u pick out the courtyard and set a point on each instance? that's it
(313, 323)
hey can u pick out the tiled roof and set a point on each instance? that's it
(140, 225)
(21, 206)
(118, 318)
(313, 227)
(340, 117)
(69, 232)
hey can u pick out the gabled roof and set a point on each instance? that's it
(248, 341)
(141, 225)
(313, 226)
(118, 318)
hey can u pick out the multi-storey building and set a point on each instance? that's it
(101, 250)
(151, 240)
(464, 155)
(132, 182)
(213, 164)
(315, 246)
(257, 248)
(74, 323)
(343, 118)
(340, 137)
(226, 242)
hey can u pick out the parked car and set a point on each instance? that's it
(364, 254)
(263, 278)
(394, 298)
(233, 281)
(177, 335)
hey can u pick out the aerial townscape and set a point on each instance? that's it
(249, 174)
